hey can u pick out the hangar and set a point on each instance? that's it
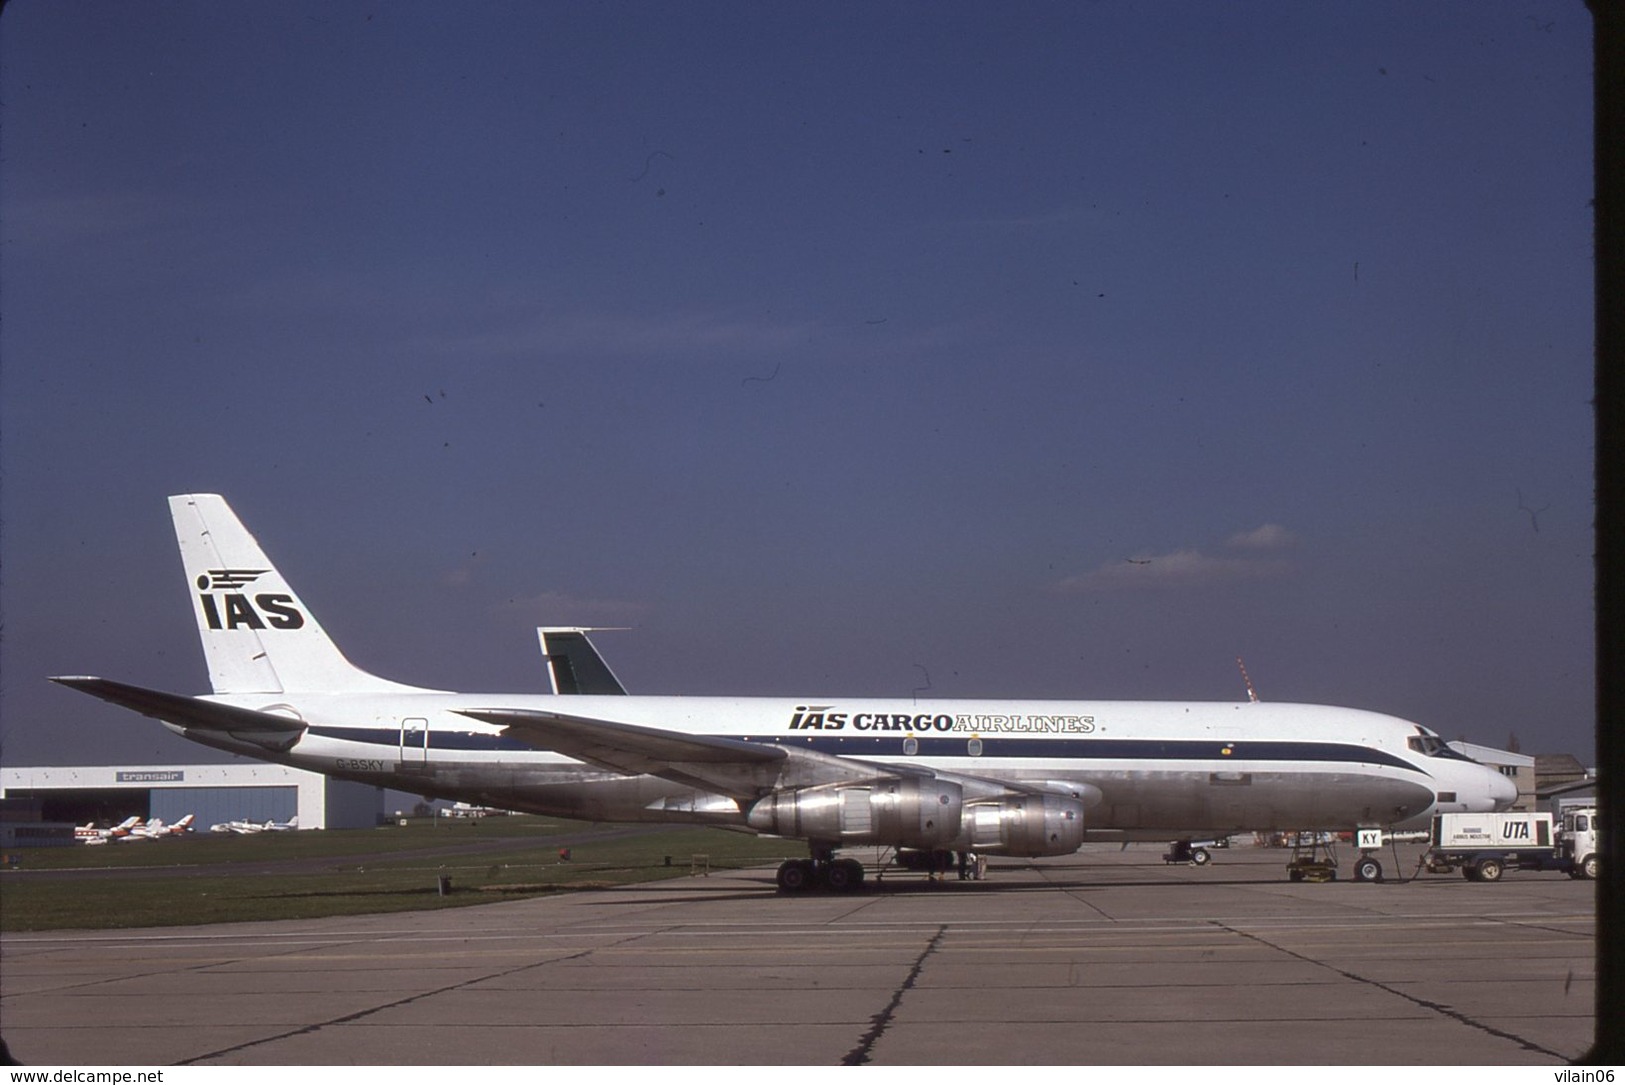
(106, 794)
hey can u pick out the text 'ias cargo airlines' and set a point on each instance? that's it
(1025, 778)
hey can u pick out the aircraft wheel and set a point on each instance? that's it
(843, 875)
(1368, 870)
(795, 875)
(1201, 856)
(1489, 870)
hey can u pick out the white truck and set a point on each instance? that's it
(1484, 846)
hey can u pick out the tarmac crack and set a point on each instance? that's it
(1539, 927)
(882, 1020)
(360, 1014)
(1074, 895)
(1427, 1004)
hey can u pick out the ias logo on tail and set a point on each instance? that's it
(229, 579)
(231, 609)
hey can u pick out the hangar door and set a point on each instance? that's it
(215, 804)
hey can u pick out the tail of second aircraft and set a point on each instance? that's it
(258, 637)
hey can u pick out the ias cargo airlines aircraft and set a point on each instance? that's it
(1022, 778)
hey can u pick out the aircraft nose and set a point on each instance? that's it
(1503, 792)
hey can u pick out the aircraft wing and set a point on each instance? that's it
(623, 747)
(733, 767)
(736, 768)
(730, 766)
(261, 728)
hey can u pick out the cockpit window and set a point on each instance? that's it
(1429, 744)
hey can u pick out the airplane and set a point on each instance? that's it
(233, 827)
(147, 830)
(157, 830)
(241, 827)
(89, 834)
(1022, 778)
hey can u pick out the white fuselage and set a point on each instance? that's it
(1161, 768)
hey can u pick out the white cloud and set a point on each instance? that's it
(1190, 567)
(1267, 537)
(1179, 569)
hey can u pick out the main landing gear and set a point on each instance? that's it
(837, 875)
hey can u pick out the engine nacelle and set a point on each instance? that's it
(1029, 825)
(909, 813)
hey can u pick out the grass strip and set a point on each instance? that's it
(312, 874)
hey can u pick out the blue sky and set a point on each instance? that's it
(1049, 350)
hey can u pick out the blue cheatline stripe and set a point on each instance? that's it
(993, 748)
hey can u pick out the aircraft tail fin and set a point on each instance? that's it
(258, 636)
(573, 664)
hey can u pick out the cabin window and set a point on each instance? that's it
(974, 747)
(911, 746)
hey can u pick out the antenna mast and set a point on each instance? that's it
(1252, 694)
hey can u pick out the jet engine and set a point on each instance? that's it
(913, 812)
(1023, 825)
(922, 813)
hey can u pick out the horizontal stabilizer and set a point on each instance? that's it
(262, 728)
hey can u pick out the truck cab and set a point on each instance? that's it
(1579, 841)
